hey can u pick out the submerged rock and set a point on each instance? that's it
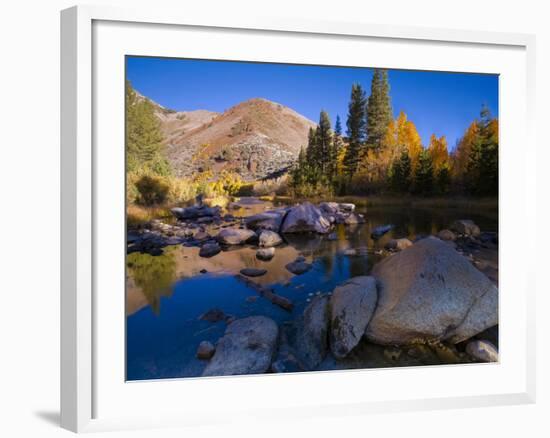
(378, 232)
(298, 267)
(253, 272)
(465, 227)
(352, 306)
(398, 244)
(247, 347)
(269, 238)
(429, 292)
(214, 315)
(205, 351)
(209, 250)
(305, 218)
(265, 254)
(235, 236)
(483, 351)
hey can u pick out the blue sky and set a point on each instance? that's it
(438, 103)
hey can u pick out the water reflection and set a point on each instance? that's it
(167, 293)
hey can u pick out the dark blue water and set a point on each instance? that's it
(167, 294)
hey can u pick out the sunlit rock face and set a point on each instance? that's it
(430, 292)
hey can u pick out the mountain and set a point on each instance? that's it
(256, 138)
(176, 123)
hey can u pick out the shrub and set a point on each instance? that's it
(152, 189)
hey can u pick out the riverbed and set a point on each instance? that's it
(166, 294)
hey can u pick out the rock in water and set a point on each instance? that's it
(447, 235)
(352, 306)
(378, 232)
(330, 208)
(209, 250)
(265, 254)
(235, 236)
(398, 244)
(269, 238)
(305, 218)
(308, 336)
(205, 351)
(483, 351)
(466, 227)
(195, 212)
(430, 292)
(253, 272)
(247, 347)
(298, 267)
(354, 218)
(268, 220)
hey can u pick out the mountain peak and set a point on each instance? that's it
(255, 138)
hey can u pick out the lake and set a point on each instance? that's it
(166, 294)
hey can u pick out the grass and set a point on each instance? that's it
(138, 215)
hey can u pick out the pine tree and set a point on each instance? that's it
(337, 150)
(338, 126)
(379, 110)
(324, 143)
(311, 149)
(400, 173)
(482, 167)
(424, 175)
(356, 125)
(144, 147)
(443, 179)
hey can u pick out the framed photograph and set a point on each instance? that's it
(260, 205)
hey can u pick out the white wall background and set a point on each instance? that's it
(29, 215)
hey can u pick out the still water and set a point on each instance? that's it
(165, 295)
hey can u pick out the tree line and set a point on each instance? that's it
(383, 154)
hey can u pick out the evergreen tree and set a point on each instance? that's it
(400, 173)
(482, 167)
(311, 149)
(424, 175)
(443, 179)
(356, 125)
(379, 110)
(324, 144)
(144, 147)
(338, 126)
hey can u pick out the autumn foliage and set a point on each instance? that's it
(383, 154)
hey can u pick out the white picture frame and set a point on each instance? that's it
(85, 177)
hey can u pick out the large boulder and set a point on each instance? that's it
(305, 218)
(269, 238)
(429, 292)
(308, 336)
(465, 227)
(329, 208)
(268, 220)
(235, 236)
(352, 306)
(247, 347)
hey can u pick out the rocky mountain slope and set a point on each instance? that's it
(256, 138)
